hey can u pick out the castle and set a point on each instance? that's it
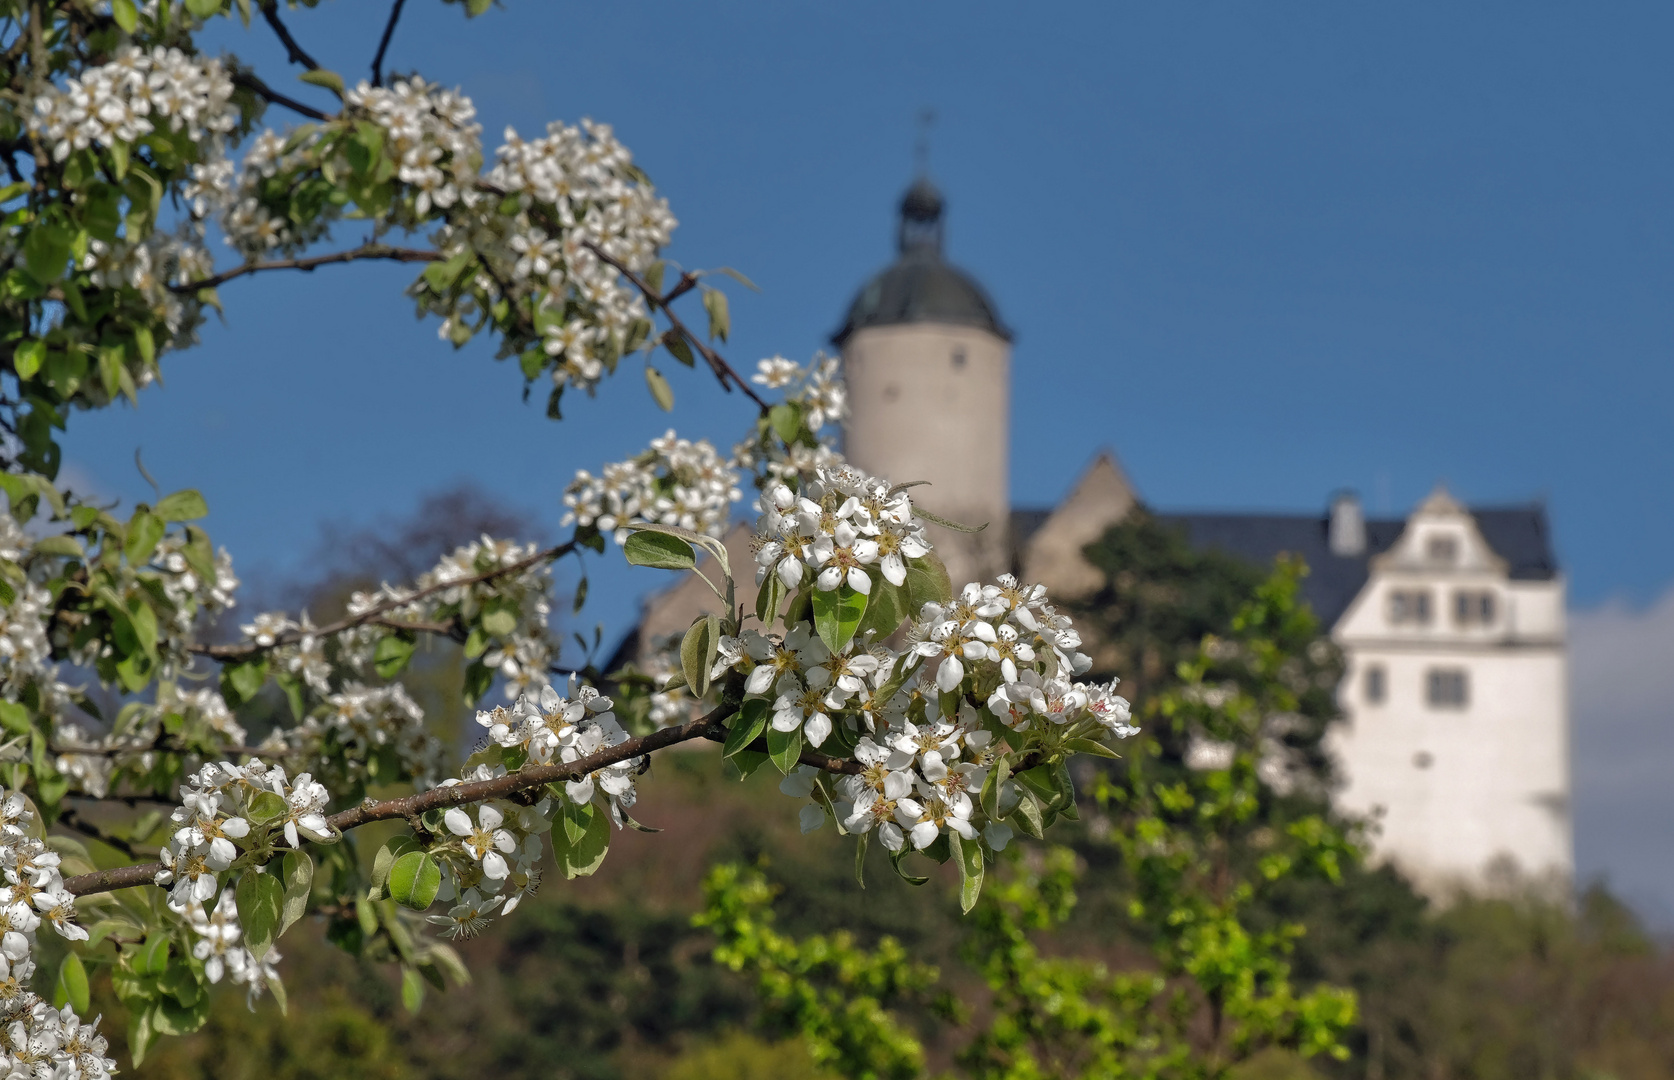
(1455, 731)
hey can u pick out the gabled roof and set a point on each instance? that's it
(1518, 534)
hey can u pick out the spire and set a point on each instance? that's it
(921, 218)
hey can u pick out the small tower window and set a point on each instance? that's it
(1447, 688)
(1473, 608)
(1443, 549)
(1410, 606)
(959, 358)
(1376, 684)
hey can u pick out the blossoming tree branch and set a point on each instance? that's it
(162, 842)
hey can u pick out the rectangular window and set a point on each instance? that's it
(1473, 608)
(1375, 684)
(1443, 549)
(1447, 688)
(1410, 606)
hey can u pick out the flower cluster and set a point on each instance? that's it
(253, 203)
(822, 395)
(553, 728)
(224, 955)
(491, 859)
(94, 760)
(35, 1038)
(577, 197)
(844, 529)
(131, 96)
(675, 482)
(219, 804)
(990, 671)
(432, 135)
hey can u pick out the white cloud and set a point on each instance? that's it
(1622, 695)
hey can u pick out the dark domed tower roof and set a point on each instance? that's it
(921, 286)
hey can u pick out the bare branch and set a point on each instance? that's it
(274, 97)
(365, 251)
(293, 52)
(376, 613)
(528, 778)
(383, 43)
(723, 370)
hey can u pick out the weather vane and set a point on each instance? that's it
(921, 147)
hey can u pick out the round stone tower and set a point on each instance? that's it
(928, 365)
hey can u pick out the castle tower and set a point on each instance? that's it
(928, 365)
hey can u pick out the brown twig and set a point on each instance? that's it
(366, 251)
(383, 43)
(274, 97)
(723, 370)
(528, 778)
(225, 653)
(293, 52)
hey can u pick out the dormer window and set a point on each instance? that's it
(1472, 607)
(1443, 550)
(1409, 607)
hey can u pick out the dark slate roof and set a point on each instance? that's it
(1518, 534)
(921, 286)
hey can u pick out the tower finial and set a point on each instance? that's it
(921, 145)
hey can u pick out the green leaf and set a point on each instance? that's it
(661, 392)
(786, 418)
(244, 681)
(393, 849)
(968, 853)
(784, 747)
(927, 582)
(127, 17)
(660, 551)
(860, 858)
(392, 655)
(998, 774)
(414, 880)
(837, 615)
(1027, 817)
(27, 358)
(747, 726)
(412, 990)
(581, 855)
(919, 511)
(697, 653)
(676, 345)
(72, 985)
(261, 904)
(885, 609)
(67, 546)
(154, 956)
(298, 874)
(499, 620)
(265, 807)
(185, 505)
(1090, 746)
(321, 77)
(720, 318)
(747, 762)
(896, 858)
(203, 9)
(770, 598)
(45, 251)
(144, 530)
(140, 1034)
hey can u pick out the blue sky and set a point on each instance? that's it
(1263, 251)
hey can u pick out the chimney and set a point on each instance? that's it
(1346, 532)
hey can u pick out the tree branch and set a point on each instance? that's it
(383, 43)
(294, 52)
(723, 370)
(274, 97)
(376, 613)
(528, 778)
(365, 251)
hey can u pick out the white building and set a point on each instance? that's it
(1456, 726)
